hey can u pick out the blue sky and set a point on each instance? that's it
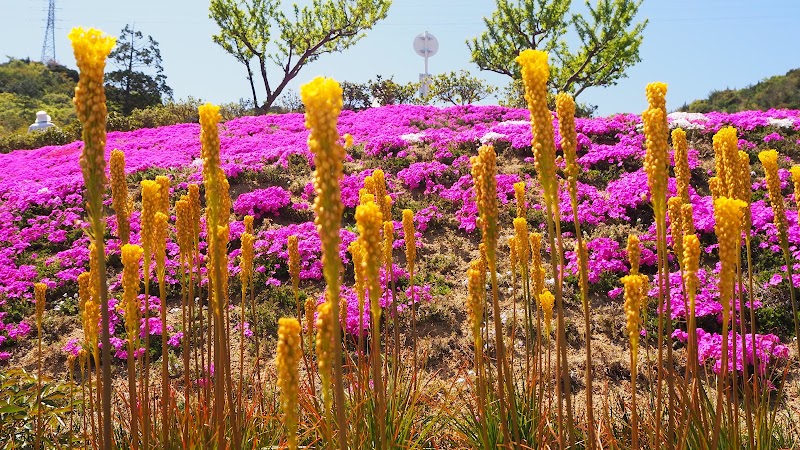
(693, 45)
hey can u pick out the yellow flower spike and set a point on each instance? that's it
(634, 253)
(287, 362)
(369, 220)
(160, 243)
(484, 176)
(84, 294)
(119, 196)
(409, 236)
(535, 73)
(388, 242)
(513, 247)
(691, 263)
(183, 227)
(380, 194)
(131, 257)
(535, 240)
(151, 191)
(325, 328)
(91, 47)
(546, 302)
(369, 185)
(94, 272)
(163, 198)
(39, 291)
(743, 187)
(795, 171)
(728, 215)
(475, 299)
(294, 261)
(519, 195)
(687, 211)
(248, 224)
(682, 172)
(726, 159)
(348, 140)
(656, 95)
(656, 160)
(769, 159)
(715, 186)
(310, 308)
(633, 284)
(357, 253)
(565, 110)
(246, 259)
(521, 242)
(676, 226)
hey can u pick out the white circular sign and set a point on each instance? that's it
(425, 44)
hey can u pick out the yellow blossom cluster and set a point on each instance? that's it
(287, 362)
(475, 298)
(519, 194)
(769, 159)
(369, 220)
(523, 250)
(726, 159)
(484, 177)
(294, 261)
(682, 172)
(636, 286)
(409, 235)
(131, 256)
(546, 302)
(656, 162)
(535, 73)
(565, 110)
(119, 196)
(728, 215)
(676, 226)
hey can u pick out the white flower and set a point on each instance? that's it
(413, 138)
(491, 137)
(781, 123)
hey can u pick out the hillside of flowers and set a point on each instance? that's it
(424, 152)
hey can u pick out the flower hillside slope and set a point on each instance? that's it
(424, 153)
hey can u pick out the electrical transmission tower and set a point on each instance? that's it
(49, 45)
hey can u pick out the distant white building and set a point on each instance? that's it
(42, 122)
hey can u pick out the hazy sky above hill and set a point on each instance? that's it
(693, 45)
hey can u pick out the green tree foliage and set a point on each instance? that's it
(356, 96)
(260, 29)
(27, 87)
(780, 91)
(458, 88)
(608, 40)
(385, 91)
(133, 85)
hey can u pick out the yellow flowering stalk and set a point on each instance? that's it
(565, 110)
(769, 159)
(546, 301)
(381, 195)
(634, 251)
(691, 263)
(728, 215)
(357, 253)
(715, 186)
(687, 211)
(369, 220)
(656, 165)
(322, 98)
(484, 176)
(294, 267)
(676, 227)
(519, 195)
(326, 324)
(682, 172)
(475, 308)
(248, 224)
(194, 212)
(163, 204)
(131, 257)
(635, 288)
(287, 362)
(535, 240)
(91, 47)
(119, 196)
(726, 158)
(310, 308)
(535, 73)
